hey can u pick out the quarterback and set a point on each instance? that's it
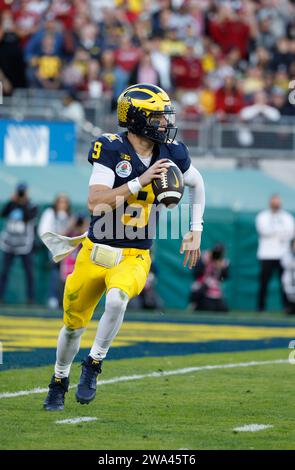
(112, 260)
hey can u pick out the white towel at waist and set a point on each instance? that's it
(61, 246)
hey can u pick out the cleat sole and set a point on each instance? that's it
(46, 408)
(82, 401)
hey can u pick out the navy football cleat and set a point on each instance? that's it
(86, 389)
(55, 399)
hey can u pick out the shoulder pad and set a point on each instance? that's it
(177, 148)
(179, 154)
(103, 149)
(111, 141)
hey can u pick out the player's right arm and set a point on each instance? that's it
(102, 194)
(101, 191)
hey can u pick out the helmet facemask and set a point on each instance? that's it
(161, 126)
(158, 126)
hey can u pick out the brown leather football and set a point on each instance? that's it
(169, 189)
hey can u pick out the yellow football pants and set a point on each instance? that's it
(87, 283)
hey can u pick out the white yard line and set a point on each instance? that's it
(253, 427)
(128, 378)
(76, 420)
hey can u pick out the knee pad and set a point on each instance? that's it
(116, 299)
(71, 333)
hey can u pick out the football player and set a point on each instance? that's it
(112, 259)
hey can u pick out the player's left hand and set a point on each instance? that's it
(191, 247)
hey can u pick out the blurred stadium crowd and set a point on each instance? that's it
(213, 56)
(219, 58)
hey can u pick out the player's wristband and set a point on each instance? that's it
(134, 186)
(196, 227)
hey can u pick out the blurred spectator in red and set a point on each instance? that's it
(126, 58)
(64, 11)
(126, 55)
(229, 29)
(187, 72)
(5, 6)
(228, 99)
(28, 16)
(145, 72)
(12, 65)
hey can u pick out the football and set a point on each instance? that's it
(169, 188)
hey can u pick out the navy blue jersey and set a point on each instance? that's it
(133, 223)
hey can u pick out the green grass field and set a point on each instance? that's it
(196, 410)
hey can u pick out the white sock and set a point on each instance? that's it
(110, 322)
(68, 345)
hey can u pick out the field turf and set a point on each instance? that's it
(144, 408)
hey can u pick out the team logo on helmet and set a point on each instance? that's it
(124, 169)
